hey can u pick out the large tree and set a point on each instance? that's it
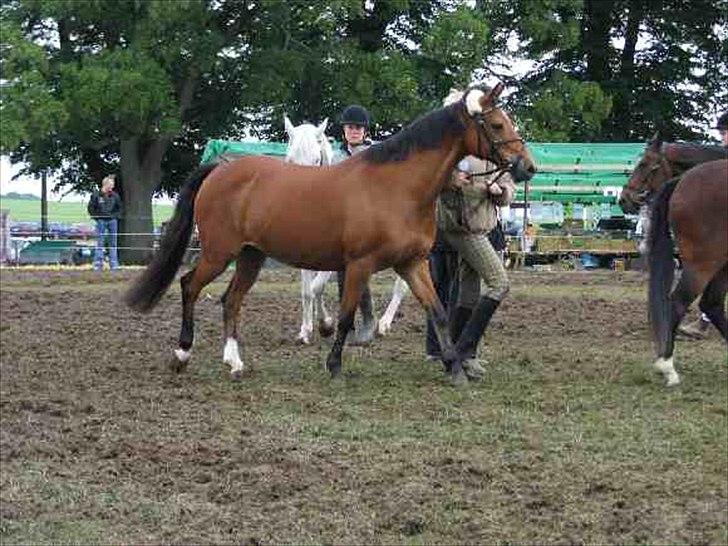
(137, 87)
(615, 70)
(96, 87)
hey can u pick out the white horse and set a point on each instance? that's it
(308, 145)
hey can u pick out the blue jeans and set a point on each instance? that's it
(106, 227)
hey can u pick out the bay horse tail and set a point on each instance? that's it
(151, 285)
(662, 266)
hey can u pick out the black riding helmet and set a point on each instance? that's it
(355, 115)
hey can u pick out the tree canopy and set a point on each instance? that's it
(136, 87)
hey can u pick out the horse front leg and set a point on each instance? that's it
(307, 297)
(355, 280)
(417, 275)
(399, 291)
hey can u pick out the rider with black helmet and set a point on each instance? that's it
(355, 122)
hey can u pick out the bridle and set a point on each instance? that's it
(483, 131)
(642, 195)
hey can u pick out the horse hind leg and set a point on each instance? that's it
(191, 283)
(248, 265)
(325, 321)
(399, 291)
(307, 296)
(712, 302)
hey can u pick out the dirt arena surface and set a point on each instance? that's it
(571, 438)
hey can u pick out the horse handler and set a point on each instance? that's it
(466, 213)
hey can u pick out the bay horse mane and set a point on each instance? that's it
(688, 154)
(425, 133)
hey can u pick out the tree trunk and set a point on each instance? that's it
(596, 39)
(141, 168)
(622, 119)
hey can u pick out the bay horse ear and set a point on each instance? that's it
(288, 125)
(497, 90)
(492, 95)
(321, 129)
(656, 141)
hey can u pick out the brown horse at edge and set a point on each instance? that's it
(688, 187)
(373, 211)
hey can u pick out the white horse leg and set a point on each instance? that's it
(231, 356)
(325, 322)
(306, 333)
(667, 368)
(399, 291)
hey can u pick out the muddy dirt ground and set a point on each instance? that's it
(571, 438)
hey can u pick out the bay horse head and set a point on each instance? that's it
(650, 173)
(490, 133)
(308, 144)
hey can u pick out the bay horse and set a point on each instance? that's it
(695, 205)
(370, 212)
(308, 145)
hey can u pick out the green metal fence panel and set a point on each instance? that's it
(567, 172)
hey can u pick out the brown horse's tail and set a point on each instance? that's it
(662, 266)
(151, 285)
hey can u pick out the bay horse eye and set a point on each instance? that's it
(497, 126)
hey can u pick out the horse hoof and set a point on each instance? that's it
(176, 365)
(459, 379)
(673, 381)
(303, 340)
(326, 328)
(382, 329)
(334, 369)
(236, 375)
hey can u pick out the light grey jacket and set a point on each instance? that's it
(471, 207)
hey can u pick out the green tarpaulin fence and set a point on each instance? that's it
(568, 172)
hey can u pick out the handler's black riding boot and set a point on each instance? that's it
(467, 342)
(460, 317)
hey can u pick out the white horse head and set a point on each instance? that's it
(308, 144)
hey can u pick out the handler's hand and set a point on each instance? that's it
(495, 189)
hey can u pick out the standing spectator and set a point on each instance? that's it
(105, 208)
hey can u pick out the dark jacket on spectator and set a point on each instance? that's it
(105, 206)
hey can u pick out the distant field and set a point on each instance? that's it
(27, 210)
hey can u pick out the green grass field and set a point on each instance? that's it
(27, 210)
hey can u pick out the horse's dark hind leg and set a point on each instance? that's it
(356, 276)
(192, 283)
(247, 267)
(712, 303)
(418, 278)
(687, 289)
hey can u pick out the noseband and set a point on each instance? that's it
(642, 195)
(483, 131)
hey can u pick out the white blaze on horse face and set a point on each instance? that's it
(231, 355)
(472, 102)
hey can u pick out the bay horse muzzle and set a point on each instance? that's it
(520, 172)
